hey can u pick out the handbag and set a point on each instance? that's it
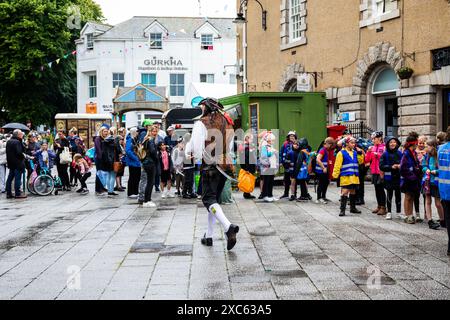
(246, 181)
(117, 166)
(65, 157)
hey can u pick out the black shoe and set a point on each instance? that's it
(249, 196)
(112, 194)
(9, 196)
(193, 196)
(284, 196)
(433, 225)
(303, 199)
(231, 236)
(343, 206)
(260, 197)
(80, 190)
(353, 205)
(185, 196)
(292, 198)
(309, 197)
(206, 241)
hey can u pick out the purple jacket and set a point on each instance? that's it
(409, 167)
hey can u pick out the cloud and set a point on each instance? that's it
(117, 11)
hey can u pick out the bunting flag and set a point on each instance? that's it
(50, 64)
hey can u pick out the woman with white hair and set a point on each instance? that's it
(269, 166)
(133, 163)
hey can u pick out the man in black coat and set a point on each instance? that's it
(15, 158)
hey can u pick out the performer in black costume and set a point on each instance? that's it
(214, 149)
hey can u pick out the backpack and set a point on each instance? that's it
(139, 149)
(312, 162)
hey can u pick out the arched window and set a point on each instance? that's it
(386, 82)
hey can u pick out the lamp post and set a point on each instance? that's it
(241, 22)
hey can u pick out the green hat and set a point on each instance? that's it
(147, 122)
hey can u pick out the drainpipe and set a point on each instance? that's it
(244, 48)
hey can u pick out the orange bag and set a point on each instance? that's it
(246, 181)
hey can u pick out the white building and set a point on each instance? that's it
(156, 51)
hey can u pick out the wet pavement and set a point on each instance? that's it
(86, 247)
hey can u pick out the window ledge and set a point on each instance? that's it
(300, 42)
(385, 17)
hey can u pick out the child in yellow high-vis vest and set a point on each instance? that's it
(346, 168)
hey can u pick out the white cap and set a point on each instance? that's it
(171, 128)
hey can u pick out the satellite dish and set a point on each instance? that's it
(196, 101)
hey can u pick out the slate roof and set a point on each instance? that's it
(134, 27)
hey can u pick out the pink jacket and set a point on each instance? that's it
(373, 157)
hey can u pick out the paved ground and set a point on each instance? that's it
(75, 247)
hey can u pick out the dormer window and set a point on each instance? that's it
(89, 41)
(207, 42)
(155, 40)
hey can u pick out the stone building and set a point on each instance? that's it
(352, 50)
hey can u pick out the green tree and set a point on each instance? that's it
(34, 33)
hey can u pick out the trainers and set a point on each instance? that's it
(410, 220)
(389, 216)
(112, 194)
(303, 199)
(284, 196)
(84, 192)
(260, 197)
(149, 204)
(292, 198)
(164, 194)
(133, 196)
(267, 199)
(206, 241)
(79, 190)
(418, 218)
(230, 235)
(433, 225)
(323, 201)
(21, 196)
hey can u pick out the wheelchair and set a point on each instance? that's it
(42, 183)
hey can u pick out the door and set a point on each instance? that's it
(289, 118)
(446, 109)
(391, 106)
(387, 115)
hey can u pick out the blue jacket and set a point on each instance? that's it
(284, 159)
(430, 163)
(40, 159)
(131, 158)
(444, 171)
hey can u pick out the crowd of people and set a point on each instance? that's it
(159, 160)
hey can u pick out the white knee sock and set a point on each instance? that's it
(218, 212)
(211, 223)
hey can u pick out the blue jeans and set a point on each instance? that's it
(110, 181)
(15, 174)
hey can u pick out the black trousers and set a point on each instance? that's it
(213, 183)
(133, 180)
(398, 199)
(446, 204)
(268, 185)
(83, 178)
(303, 188)
(63, 174)
(73, 175)
(380, 195)
(324, 182)
(188, 181)
(362, 178)
(287, 182)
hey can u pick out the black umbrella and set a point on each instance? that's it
(14, 126)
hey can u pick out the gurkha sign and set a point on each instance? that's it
(163, 64)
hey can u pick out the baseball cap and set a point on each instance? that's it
(171, 128)
(157, 122)
(147, 122)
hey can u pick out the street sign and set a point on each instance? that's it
(303, 82)
(348, 116)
